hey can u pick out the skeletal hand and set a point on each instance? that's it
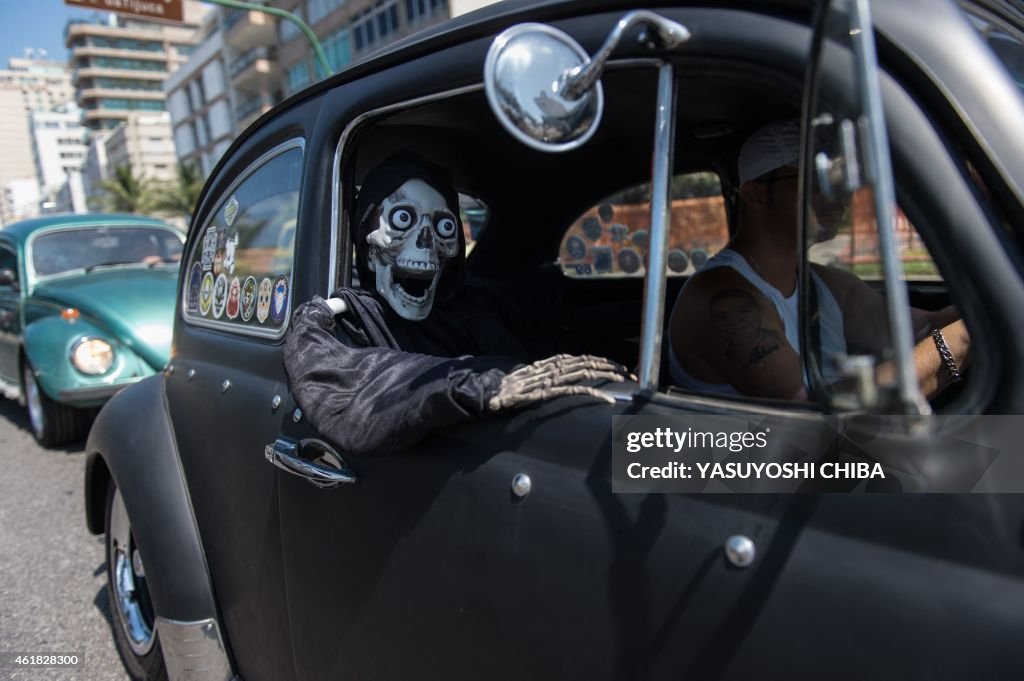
(554, 377)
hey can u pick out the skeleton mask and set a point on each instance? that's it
(416, 234)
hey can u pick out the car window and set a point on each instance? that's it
(857, 368)
(610, 238)
(89, 248)
(855, 246)
(240, 267)
(475, 215)
(8, 260)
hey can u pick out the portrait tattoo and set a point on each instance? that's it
(736, 317)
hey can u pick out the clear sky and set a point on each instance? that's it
(35, 23)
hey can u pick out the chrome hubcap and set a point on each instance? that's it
(131, 601)
(35, 404)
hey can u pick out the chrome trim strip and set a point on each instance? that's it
(657, 254)
(96, 392)
(336, 216)
(239, 329)
(879, 167)
(193, 651)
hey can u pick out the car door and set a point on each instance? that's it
(224, 375)
(500, 550)
(10, 315)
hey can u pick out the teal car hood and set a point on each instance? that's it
(136, 304)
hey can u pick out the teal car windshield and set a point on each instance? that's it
(87, 248)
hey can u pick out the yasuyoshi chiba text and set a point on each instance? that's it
(732, 470)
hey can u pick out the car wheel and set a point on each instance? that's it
(52, 423)
(133, 618)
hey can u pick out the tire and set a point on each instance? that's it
(132, 616)
(52, 423)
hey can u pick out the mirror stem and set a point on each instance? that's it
(581, 78)
(657, 252)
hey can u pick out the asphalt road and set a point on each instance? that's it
(53, 595)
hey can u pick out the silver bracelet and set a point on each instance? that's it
(946, 355)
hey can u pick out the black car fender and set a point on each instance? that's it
(142, 460)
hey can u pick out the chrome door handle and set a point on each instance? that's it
(286, 455)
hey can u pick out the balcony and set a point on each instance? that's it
(244, 29)
(106, 72)
(96, 92)
(256, 70)
(247, 111)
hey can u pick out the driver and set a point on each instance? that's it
(747, 295)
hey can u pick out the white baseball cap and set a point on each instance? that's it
(776, 145)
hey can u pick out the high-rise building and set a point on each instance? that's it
(199, 101)
(250, 40)
(119, 66)
(58, 141)
(348, 30)
(28, 85)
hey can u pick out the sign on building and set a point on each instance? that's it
(165, 10)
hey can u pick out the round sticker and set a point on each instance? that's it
(629, 261)
(699, 256)
(576, 247)
(194, 280)
(640, 238)
(220, 296)
(279, 303)
(234, 292)
(206, 294)
(248, 298)
(592, 228)
(263, 300)
(677, 260)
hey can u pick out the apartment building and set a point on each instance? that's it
(199, 99)
(27, 85)
(144, 142)
(58, 141)
(256, 78)
(119, 65)
(349, 30)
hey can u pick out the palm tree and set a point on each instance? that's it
(181, 194)
(125, 192)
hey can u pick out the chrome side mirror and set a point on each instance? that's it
(545, 89)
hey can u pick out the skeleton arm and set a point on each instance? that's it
(380, 399)
(371, 400)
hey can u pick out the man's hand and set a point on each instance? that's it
(555, 377)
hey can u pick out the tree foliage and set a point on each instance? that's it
(126, 192)
(179, 197)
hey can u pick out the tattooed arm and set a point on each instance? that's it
(726, 331)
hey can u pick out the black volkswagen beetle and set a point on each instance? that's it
(496, 548)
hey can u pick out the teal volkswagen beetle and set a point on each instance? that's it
(86, 303)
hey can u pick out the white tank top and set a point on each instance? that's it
(833, 341)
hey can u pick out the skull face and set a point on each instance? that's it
(417, 234)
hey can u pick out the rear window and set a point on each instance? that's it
(610, 239)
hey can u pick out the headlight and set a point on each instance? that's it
(92, 356)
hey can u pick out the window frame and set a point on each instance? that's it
(188, 257)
